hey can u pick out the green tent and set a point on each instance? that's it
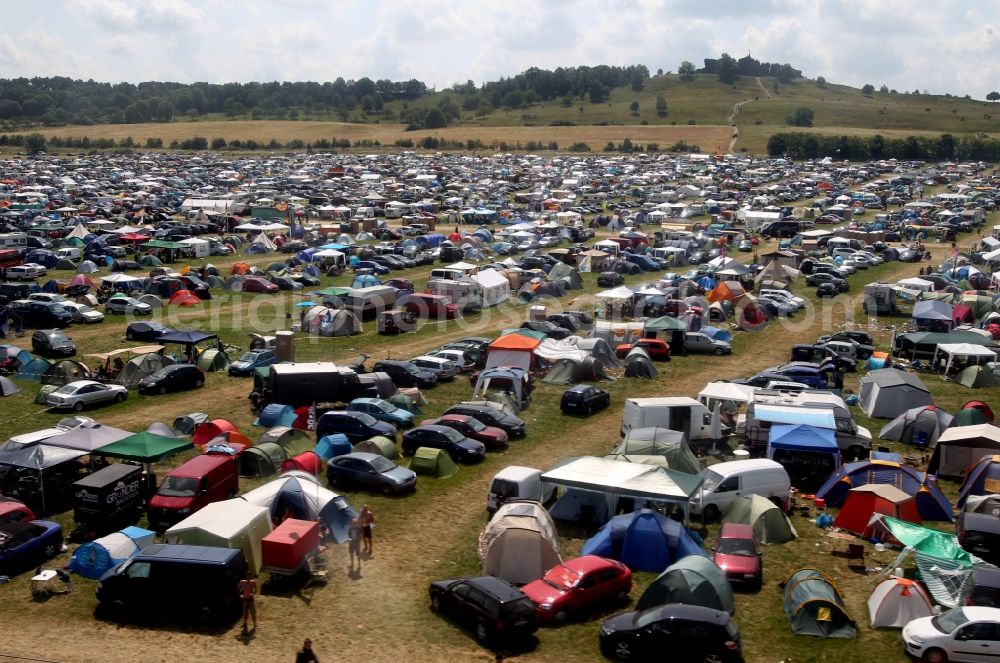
(42, 397)
(970, 416)
(435, 462)
(814, 606)
(213, 360)
(665, 323)
(150, 261)
(404, 402)
(664, 442)
(693, 579)
(977, 377)
(380, 445)
(145, 447)
(292, 440)
(768, 522)
(262, 460)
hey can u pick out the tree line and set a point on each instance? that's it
(945, 147)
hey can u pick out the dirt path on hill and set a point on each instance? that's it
(737, 107)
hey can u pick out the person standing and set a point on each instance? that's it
(306, 654)
(354, 534)
(248, 590)
(367, 520)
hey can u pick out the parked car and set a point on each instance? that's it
(745, 245)
(258, 284)
(383, 411)
(491, 607)
(577, 585)
(127, 305)
(738, 554)
(250, 361)
(658, 350)
(357, 426)
(40, 315)
(609, 279)
(405, 374)
(375, 267)
(178, 377)
(52, 343)
(29, 271)
(464, 359)
(445, 369)
(14, 511)
(979, 533)
(967, 633)
(807, 373)
(25, 544)
(370, 471)
(83, 313)
(827, 290)
(584, 398)
(688, 632)
(459, 447)
(491, 416)
(547, 328)
(816, 279)
(83, 393)
(146, 331)
(981, 587)
(699, 343)
(472, 428)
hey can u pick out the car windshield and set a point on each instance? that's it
(453, 435)
(57, 308)
(366, 419)
(386, 407)
(83, 308)
(249, 356)
(57, 337)
(66, 389)
(381, 464)
(647, 617)
(177, 487)
(950, 620)
(163, 372)
(737, 547)
(712, 479)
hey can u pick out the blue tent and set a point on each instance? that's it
(276, 414)
(330, 446)
(717, 334)
(365, 281)
(43, 257)
(986, 470)
(301, 495)
(644, 540)
(93, 559)
(931, 502)
(34, 370)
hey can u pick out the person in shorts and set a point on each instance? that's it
(367, 520)
(248, 590)
(354, 535)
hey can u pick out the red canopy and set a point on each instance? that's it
(134, 237)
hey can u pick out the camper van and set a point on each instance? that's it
(13, 240)
(69, 253)
(855, 442)
(466, 293)
(518, 483)
(879, 298)
(368, 302)
(681, 413)
(724, 482)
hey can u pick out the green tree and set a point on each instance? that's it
(435, 119)
(34, 143)
(801, 117)
(728, 69)
(634, 107)
(513, 99)
(661, 105)
(884, 89)
(820, 81)
(686, 72)
(218, 143)
(993, 96)
(785, 73)
(868, 89)
(164, 111)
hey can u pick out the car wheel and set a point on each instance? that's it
(129, 336)
(710, 513)
(77, 406)
(205, 614)
(561, 616)
(199, 384)
(589, 411)
(385, 489)
(119, 398)
(935, 656)
(436, 603)
(482, 633)
(622, 650)
(161, 391)
(719, 352)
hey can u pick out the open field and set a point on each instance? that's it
(382, 615)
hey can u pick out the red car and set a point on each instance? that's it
(14, 511)
(658, 350)
(736, 552)
(257, 284)
(576, 585)
(492, 437)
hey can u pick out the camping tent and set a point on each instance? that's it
(695, 580)
(896, 601)
(434, 462)
(977, 377)
(520, 543)
(65, 371)
(7, 387)
(787, 443)
(330, 446)
(644, 540)
(888, 392)
(326, 321)
(931, 502)
(142, 366)
(920, 426)
(769, 523)
(670, 444)
(234, 523)
(93, 559)
(814, 606)
(983, 478)
(494, 286)
(983, 504)
(262, 460)
(869, 499)
(292, 440)
(211, 429)
(300, 495)
(639, 365)
(512, 350)
(959, 447)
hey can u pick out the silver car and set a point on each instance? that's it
(127, 305)
(83, 312)
(80, 393)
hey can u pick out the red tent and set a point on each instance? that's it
(212, 429)
(982, 407)
(184, 298)
(307, 461)
(872, 498)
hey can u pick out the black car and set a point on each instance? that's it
(688, 632)
(979, 533)
(357, 426)
(827, 290)
(10, 291)
(459, 447)
(610, 279)
(178, 377)
(547, 328)
(584, 398)
(52, 343)
(370, 471)
(815, 279)
(864, 339)
(146, 331)
(40, 315)
(491, 416)
(981, 586)
(491, 607)
(405, 373)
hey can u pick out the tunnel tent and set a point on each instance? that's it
(210, 429)
(433, 462)
(262, 460)
(380, 445)
(638, 364)
(670, 444)
(292, 440)
(694, 580)
(814, 606)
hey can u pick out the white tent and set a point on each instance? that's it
(961, 446)
(619, 294)
(520, 543)
(968, 350)
(897, 601)
(234, 523)
(120, 278)
(495, 286)
(200, 247)
(265, 241)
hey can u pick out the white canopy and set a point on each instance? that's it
(120, 278)
(962, 350)
(624, 478)
(621, 293)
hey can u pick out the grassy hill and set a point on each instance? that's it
(698, 113)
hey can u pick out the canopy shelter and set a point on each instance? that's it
(694, 580)
(808, 453)
(233, 523)
(188, 339)
(298, 495)
(970, 352)
(512, 350)
(145, 447)
(40, 458)
(960, 447)
(933, 315)
(814, 606)
(88, 438)
(618, 478)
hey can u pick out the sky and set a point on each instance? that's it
(947, 46)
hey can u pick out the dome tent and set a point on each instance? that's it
(897, 601)
(983, 478)
(331, 446)
(302, 495)
(768, 522)
(520, 542)
(644, 540)
(433, 462)
(695, 580)
(380, 445)
(814, 606)
(262, 460)
(292, 440)
(920, 426)
(211, 429)
(93, 559)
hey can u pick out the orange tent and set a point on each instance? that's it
(239, 268)
(515, 341)
(212, 429)
(726, 291)
(184, 298)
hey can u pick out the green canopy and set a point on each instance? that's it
(926, 541)
(665, 323)
(145, 447)
(163, 244)
(435, 462)
(334, 291)
(693, 579)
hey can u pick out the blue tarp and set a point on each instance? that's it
(786, 414)
(644, 540)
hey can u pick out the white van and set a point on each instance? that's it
(518, 483)
(69, 253)
(724, 482)
(680, 413)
